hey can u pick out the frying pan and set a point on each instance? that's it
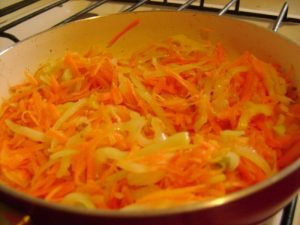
(249, 206)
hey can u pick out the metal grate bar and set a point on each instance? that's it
(24, 18)
(202, 4)
(289, 212)
(202, 7)
(82, 12)
(135, 6)
(228, 5)
(185, 5)
(15, 7)
(282, 15)
(9, 36)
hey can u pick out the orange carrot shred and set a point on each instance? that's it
(122, 32)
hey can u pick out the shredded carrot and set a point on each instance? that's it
(290, 155)
(122, 32)
(177, 122)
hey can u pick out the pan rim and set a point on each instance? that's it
(230, 198)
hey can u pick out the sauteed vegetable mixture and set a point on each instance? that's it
(177, 122)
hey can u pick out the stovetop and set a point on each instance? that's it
(20, 19)
(262, 13)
